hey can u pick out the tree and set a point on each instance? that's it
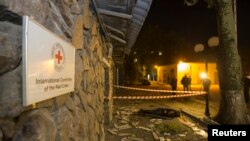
(232, 106)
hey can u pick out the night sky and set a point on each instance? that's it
(191, 25)
(196, 23)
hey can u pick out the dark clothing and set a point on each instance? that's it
(160, 112)
(246, 82)
(189, 79)
(173, 83)
(184, 82)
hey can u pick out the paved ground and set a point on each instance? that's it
(127, 125)
(189, 104)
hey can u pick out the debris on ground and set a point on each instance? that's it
(130, 126)
(194, 128)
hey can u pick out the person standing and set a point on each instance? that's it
(184, 82)
(189, 79)
(173, 83)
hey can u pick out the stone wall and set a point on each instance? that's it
(76, 116)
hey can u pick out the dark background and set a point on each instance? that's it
(174, 28)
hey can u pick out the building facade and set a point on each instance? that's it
(195, 70)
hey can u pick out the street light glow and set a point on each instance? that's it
(182, 66)
(203, 75)
(213, 41)
(199, 48)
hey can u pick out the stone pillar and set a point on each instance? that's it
(108, 101)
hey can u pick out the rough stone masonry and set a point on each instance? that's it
(76, 116)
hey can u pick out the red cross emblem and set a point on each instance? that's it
(58, 57)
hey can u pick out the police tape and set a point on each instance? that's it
(161, 91)
(181, 93)
(157, 97)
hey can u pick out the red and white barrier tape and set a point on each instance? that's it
(183, 93)
(156, 97)
(161, 91)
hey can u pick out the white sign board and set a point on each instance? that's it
(48, 63)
